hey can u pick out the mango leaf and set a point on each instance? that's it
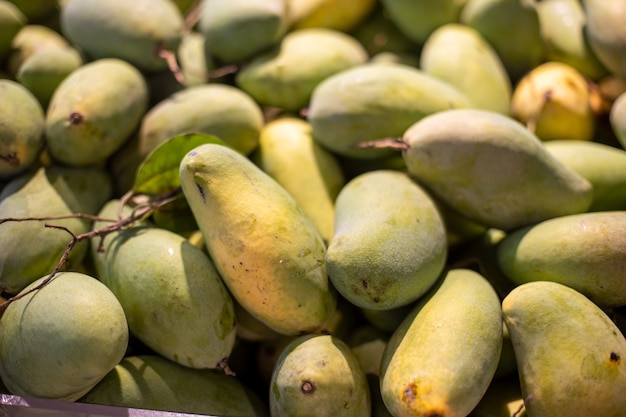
(159, 172)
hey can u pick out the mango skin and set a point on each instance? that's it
(61, 340)
(491, 169)
(31, 40)
(375, 101)
(617, 119)
(152, 382)
(570, 355)
(22, 124)
(452, 336)
(265, 248)
(584, 251)
(130, 31)
(606, 33)
(94, 110)
(389, 245)
(11, 21)
(318, 375)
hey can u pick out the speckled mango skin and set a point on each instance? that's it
(265, 248)
(441, 359)
(488, 167)
(389, 245)
(571, 357)
(584, 251)
(318, 375)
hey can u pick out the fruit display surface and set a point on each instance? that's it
(359, 208)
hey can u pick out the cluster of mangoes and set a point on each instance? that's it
(315, 207)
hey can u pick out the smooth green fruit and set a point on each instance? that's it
(341, 15)
(195, 66)
(318, 375)
(216, 109)
(617, 119)
(135, 31)
(584, 251)
(11, 21)
(442, 358)
(375, 101)
(94, 111)
(604, 166)
(29, 249)
(491, 169)
(570, 355)
(61, 340)
(286, 76)
(389, 245)
(21, 129)
(151, 382)
(239, 29)
(461, 56)
(606, 33)
(267, 251)
(30, 40)
(310, 173)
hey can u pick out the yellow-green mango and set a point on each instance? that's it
(151, 382)
(491, 169)
(585, 251)
(11, 21)
(512, 28)
(310, 173)
(29, 249)
(606, 33)
(175, 301)
(216, 109)
(42, 72)
(30, 40)
(61, 340)
(195, 65)
(442, 358)
(267, 251)
(570, 355)
(375, 101)
(286, 76)
(562, 27)
(417, 19)
(22, 124)
(318, 375)
(389, 245)
(237, 30)
(131, 31)
(617, 119)
(461, 56)
(343, 15)
(94, 110)
(604, 166)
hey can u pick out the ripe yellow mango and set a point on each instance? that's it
(267, 251)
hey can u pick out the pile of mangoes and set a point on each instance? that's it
(315, 207)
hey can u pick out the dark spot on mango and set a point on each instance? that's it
(307, 387)
(614, 357)
(11, 158)
(75, 118)
(364, 283)
(201, 191)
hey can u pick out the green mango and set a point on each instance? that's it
(417, 19)
(562, 27)
(570, 355)
(310, 173)
(606, 33)
(151, 382)
(11, 21)
(584, 251)
(386, 320)
(216, 109)
(237, 30)
(318, 375)
(442, 358)
(604, 166)
(617, 119)
(94, 110)
(30, 40)
(286, 76)
(31, 250)
(61, 340)
(461, 56)
(389, 245)
(512, 27)
(375, 101)
(42, 72)
(195, 66)
(187, 316)
(22, 124)
(135, 32)
(491, 169)
(267, 251)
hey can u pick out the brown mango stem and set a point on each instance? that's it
(390, 143)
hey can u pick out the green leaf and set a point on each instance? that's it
(159, 172)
